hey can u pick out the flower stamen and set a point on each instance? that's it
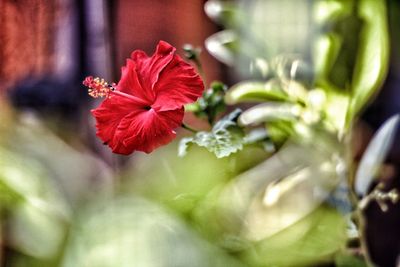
(98, 87)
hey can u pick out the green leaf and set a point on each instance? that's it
(218, 86)
(345, 38)
(279, 131)
(211, 103)
(346, 260)
(137, 232)
(255, 91)
(219, 45)
(193, 107)
(260, 137)
(221, 143)
(375, 154)
(270, 111)
(263, 200)
(310, 241)
(225, 138)
(228, 120)
(256, 135)
(351, 58)
(373, 56)
(222, 12)
(191, 53)
(184, 146)
(35, 212)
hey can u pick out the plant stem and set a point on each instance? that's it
(185, 126)
(199, 67)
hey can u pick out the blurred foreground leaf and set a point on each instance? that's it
(42, 178)
(277, 208)
(178, 182)
(77, 173)
(312, 240)
(37, 216)
(273, 195)
(129, 231)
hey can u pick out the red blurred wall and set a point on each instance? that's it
(140, 24)
(26, 39)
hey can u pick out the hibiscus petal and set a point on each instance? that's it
(177, 85)
(149, 68)
(149, 130)
(108, 117)
(126, 126)
(130, 83)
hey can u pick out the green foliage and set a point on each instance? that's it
(347, 260)
(192, 53)
(223, 12)
(210, 104)
(279, 131)
(373, 56)
(225, 138)
(255, 91)
(352, 57)
(36, 213)
(131, 231)
(268, 112)
(311, 240)
(263, 201)
(260, 138)
(349, 55)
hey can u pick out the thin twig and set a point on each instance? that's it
(185, 126)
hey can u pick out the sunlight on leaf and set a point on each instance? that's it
(260, 137)
(219, 45)
(276, 208)
(328, 10)
(375, 155)
(260, 65)
(255, 91)
(373, 56)
(314, 239)
(37, 213)
(264, 200)
(270, 111)
(34, 224)
(222, 12)
(336, 111)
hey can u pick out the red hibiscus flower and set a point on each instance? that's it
(142, 111)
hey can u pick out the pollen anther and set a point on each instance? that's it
(98, 87)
